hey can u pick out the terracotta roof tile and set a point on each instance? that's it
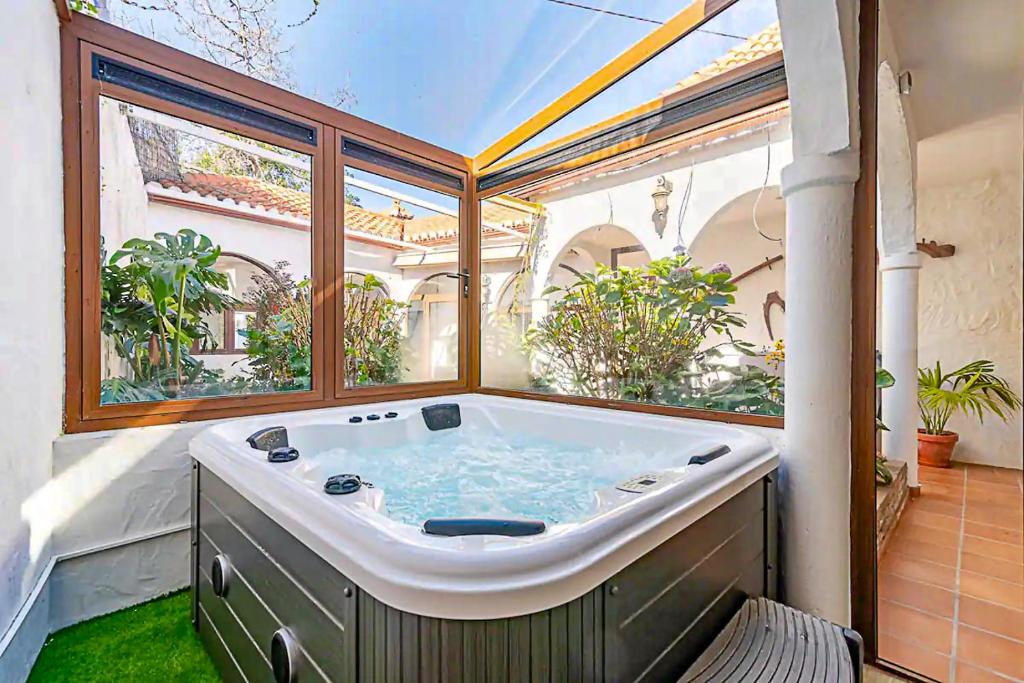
(435, 229)
(768, 41)
(244, 189)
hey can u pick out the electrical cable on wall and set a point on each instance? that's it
(684, 204)
(760, 193)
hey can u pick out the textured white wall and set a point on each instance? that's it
(737, 244)
(31, 297)
(970, 304)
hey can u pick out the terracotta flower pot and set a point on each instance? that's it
(936, 450)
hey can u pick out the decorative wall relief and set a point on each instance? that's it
(773, 299)
(936, 250)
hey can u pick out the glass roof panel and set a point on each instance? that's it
(743, 33)
(457, 73)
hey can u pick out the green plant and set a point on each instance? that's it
(154, 296)
(883, 380)
(974, 389)
(373, 332)
(633, 332)
(279, 334)
(712, 384)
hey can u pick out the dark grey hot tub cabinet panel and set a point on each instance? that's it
(649, 622)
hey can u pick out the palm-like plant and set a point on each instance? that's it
(974, 389)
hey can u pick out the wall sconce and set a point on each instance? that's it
(660, 196)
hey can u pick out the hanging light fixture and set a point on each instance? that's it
(660, 196)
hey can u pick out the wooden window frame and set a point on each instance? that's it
(733, 109)
(80, 39)
(84, 35)
(462, 382)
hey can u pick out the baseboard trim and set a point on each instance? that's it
(20, 644)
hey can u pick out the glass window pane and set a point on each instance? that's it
(197, 223)
(402, 291)
(744, 33)
(655, 276)
(457, 73)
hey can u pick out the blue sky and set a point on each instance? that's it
(461, 73)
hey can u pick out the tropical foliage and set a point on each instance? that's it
(641, 334)
(972, 390)
(154, 296)
(883, 380)
(279, 334)
(373, 332)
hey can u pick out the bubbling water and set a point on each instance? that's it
(474, 472)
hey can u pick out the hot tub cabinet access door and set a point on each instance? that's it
(649, 622)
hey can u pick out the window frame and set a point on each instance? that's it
(80, 40)
(80, 91)
(730, 110)
(463, 381)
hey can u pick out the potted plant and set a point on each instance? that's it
(973, 389)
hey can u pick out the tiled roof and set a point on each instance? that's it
(255, 192)
(434, 229)
(768, 41)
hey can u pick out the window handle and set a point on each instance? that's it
(464, 276)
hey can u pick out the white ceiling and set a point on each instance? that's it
(966, 58)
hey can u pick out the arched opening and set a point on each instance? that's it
(746, 234)
(432, 330)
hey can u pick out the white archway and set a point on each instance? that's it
(594, 240)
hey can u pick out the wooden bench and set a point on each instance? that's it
(768, 642)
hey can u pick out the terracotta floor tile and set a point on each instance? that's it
(966, 673)
(993, 590)
(1000, 569)
(927, 630)
(976, 488)
(920, 532)
(918, 570)
(1011, 499)
(916, 515)
(928, 475)
(992, 474)
(938, 601)
(994, 549)
(994, 533)
(990, 617)
(939, 507)
(996, 515)
(988, 651)
(913, 657)
(907, 544)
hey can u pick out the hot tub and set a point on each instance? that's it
(475, 538)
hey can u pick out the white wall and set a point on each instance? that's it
(31, 295)
(735, 242)
(970, 304)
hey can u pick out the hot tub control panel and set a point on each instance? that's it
(641, 484)
(372, 417)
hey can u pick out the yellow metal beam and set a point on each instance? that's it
(663, 37)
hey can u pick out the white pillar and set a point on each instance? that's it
(899, 356)
(815, 475)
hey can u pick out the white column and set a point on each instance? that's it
(815, 475)
(899, 356)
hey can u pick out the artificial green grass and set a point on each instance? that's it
(149, 642)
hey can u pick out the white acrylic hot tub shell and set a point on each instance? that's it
(482, 577)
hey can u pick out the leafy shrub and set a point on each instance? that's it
(635, 333)
(279, 334)
(373, 332)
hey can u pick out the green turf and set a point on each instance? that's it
(149, 642)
